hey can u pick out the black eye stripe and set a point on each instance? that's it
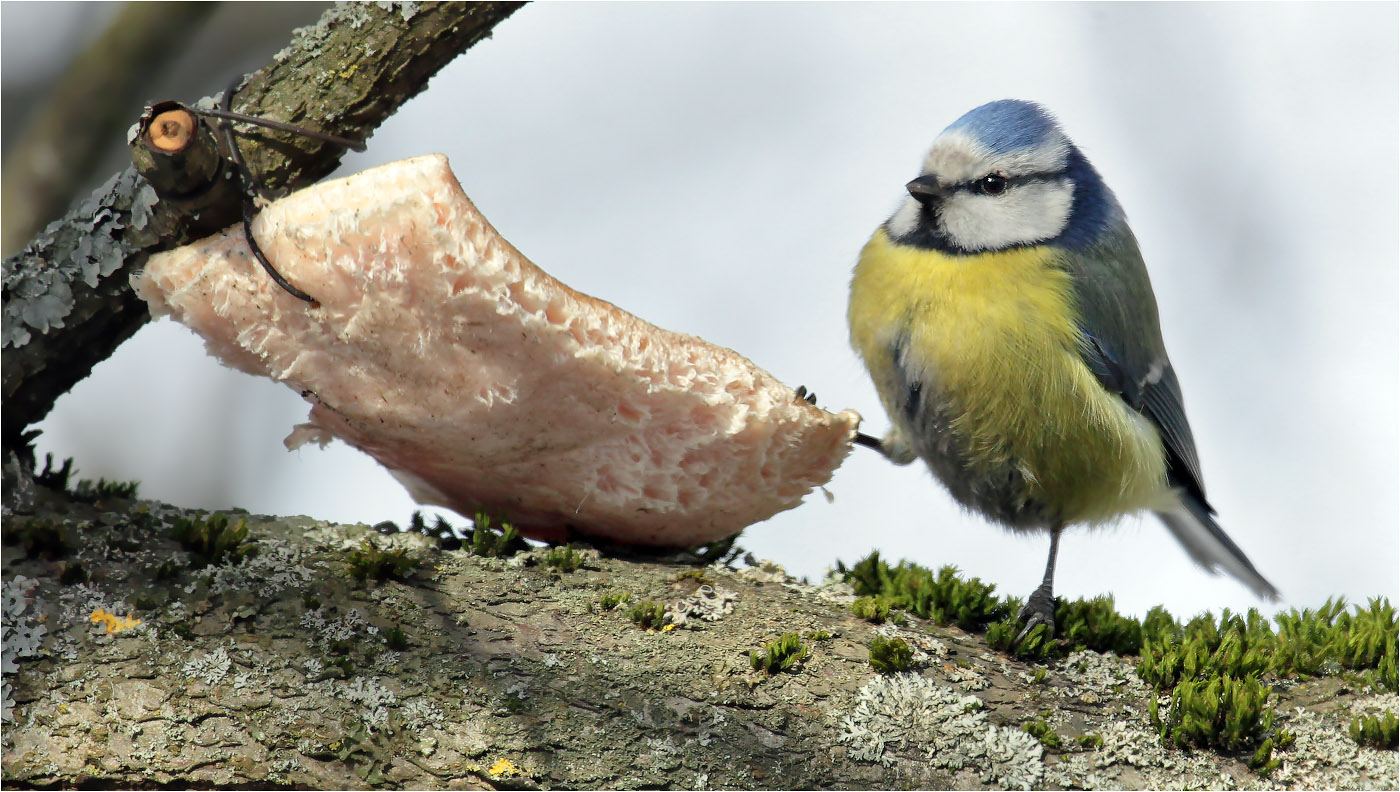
(1010, 181)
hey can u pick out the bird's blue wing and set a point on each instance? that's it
(1155, 393)
(1121, 343)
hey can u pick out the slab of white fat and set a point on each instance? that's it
(483, 383)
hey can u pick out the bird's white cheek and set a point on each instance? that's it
(905, 218)
(1028, 213)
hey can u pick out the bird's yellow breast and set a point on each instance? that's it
(993, 343)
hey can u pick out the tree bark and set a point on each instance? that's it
(62, 144)
(66, 300)
(284, 670)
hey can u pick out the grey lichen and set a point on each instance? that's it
(210, 667)
(38, 281)
(895, 716)
(373, 698)
(23, 636)
(707, 604)
(337, 631)
(1324, 756)
(276, 567)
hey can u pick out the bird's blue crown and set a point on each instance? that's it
(1008, 125)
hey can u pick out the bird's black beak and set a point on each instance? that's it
(925, 189)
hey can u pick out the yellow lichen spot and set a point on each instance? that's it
(114, 623)
(502, 768)
(668, 628)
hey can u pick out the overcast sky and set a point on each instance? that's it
(715, 168)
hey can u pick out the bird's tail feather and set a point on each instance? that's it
(1209, 546)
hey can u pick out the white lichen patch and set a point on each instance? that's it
(374, 700)
(1378, 704)
(1323, 756)
(967, 678)
(209, 668)
(349, 626)
(708, 603)
(906, 713)
(276, 567)
(835, 590)
(765, 572)
(23, 635)
(1098, 674)
(419, 714)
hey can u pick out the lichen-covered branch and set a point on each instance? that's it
(66, 300)
(149, 645)
(59, 147)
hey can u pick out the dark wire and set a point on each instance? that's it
(228, 115)
(251, 189)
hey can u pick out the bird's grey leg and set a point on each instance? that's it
(1040, 608)
(861, 438)
(869, 442)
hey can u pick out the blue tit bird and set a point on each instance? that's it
(1006, 317)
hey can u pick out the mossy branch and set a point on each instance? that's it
(216, 650)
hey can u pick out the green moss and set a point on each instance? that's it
(820, 635)
(73, 574)
(1305, 639)
(1223, 713)
(1236, 646)
(1042, 731)
(213, 541)
(55, 479)
(945, 598)
(721, 550)
(1038, 645)
(877, 610)
(396, 638)
(1094, 624)
(181, 630)
(1306, 643)
(368, 562)
(890, 655)
(784, 654)
(563, 559)
(613, 600)
(167, 570)
(86, 491)
(41, 538)
(1089, 742)
(494, 542)
(1367, 639)
(1381, 732)
(1211, 666)
(697, 575)
(649, 615)
(89, 492)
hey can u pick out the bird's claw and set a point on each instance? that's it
(1040, 609)
(804, 395)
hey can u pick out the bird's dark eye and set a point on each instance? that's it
(992, 184)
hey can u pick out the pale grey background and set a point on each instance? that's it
(715, 168)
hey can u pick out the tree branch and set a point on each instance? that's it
(61, 145)
(279, 668)
(66, 300)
